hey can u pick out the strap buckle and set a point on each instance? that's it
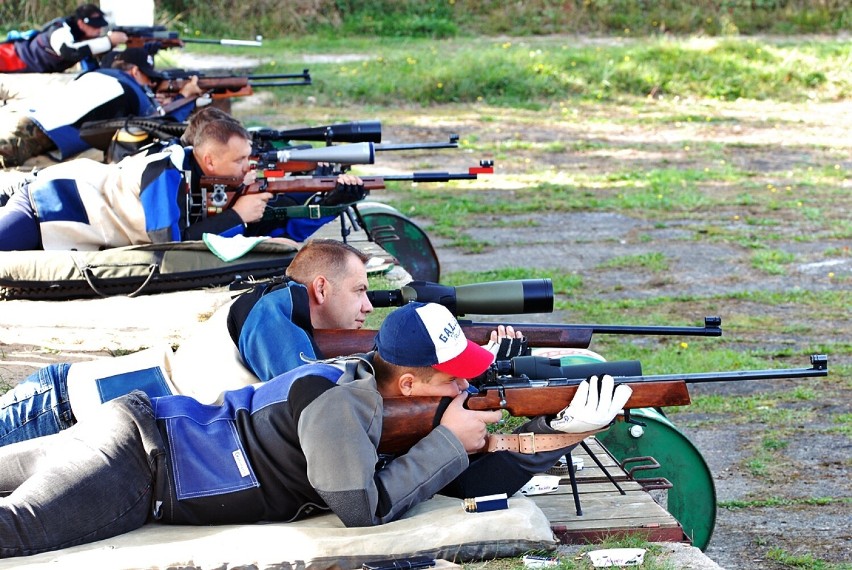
(526, 443)
(314, 211)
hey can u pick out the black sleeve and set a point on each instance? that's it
(227, 221)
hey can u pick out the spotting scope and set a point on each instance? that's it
(509, 297)
(357, 131)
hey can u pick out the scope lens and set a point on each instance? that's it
(538, 295)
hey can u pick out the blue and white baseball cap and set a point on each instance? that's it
(427, 334)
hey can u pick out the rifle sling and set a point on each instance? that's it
(312, 211)
(529, 443)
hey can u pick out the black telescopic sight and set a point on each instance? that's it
(519, 296)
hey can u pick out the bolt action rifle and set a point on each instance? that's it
(340, 342)
(160, 37)
(224, 86)
(220, 193)
(509, 297)
(513, 386)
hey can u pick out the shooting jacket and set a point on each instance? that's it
(58, 46)
(96, 96)
(87, 205)
(271, 327)
(302, 443)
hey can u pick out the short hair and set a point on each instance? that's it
(122, 65)
(220, 132)
(386, 372)
(200, 119)
(322, 256)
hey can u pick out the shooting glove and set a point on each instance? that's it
(592, 408)
(507, 348)
(344, 194)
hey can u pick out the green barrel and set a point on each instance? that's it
(692, 498)
(402, 238)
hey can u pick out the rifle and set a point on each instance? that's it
(408, 419)
(277, 162)
(223, 86)
(338, 342)
(142, 36)
(219, 193)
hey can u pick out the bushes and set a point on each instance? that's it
(445, 18)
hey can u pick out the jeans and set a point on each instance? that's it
(37, 406)
(88, 483)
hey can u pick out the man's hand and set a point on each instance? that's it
(190, 88)
(250, 207)
(590, 411)
(116, 38)
(507, 343)
(349, 189)
(468, 425)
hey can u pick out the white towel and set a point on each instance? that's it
(231, 248)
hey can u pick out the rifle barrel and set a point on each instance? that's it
(712, 327)
(305, 73)
(223, 42)
(453, 143)
(279, 83)
(819, 367)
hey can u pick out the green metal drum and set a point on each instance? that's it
(402, 238)
(692, 498)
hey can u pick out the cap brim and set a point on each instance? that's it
(97, 22)
(473, 361)
(151, 73)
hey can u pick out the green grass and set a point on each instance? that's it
(530, 72)
(653, 261)
(782, 502)
(804, 561)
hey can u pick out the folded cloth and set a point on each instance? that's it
(231, 248)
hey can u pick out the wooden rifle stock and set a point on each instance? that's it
(406, 420)
(340, 342)
(220, 192)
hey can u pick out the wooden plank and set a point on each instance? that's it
(605, 511)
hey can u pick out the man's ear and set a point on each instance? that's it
(320, 289)
(406, 383)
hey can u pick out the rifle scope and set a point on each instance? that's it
(543, 367)
(490, 298)
(358, 131)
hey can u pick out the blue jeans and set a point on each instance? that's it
(88, 483)
(37, 406)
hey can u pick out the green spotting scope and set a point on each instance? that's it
(509, 297)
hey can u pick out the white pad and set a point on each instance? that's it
(207, 362)
(438, 528)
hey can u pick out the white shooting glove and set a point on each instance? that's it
(590, 411)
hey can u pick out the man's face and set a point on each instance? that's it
(88, 31)
(346, 305)
(439, 384)
(228, 160)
